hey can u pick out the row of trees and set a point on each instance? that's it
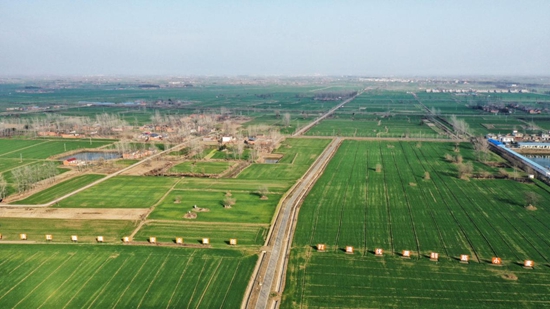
(27, 177)
(460, 125)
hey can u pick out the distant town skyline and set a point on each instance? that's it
(373, 38)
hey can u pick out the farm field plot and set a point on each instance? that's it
(95, 276)
(247, 235)
(60, 189)
(395, 126)
(121, 192)
(12, 145)
(201, 167)
(448, 103)
(395, 209)
(248, 207)
(496, 124)
(7, 164)
(298, 155)
(86, 230)
(48, 148)
(231, 184)
(382, 102)
(334, 280)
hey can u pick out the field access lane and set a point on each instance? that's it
(282, 233)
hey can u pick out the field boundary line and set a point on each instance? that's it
(99, 292)
(387, 199)
(325, 192)
(85, 283)
(343, 203)
(132, 281)
(63, 283)
(30, 257)
(44, 280)
(407, 202)
(214, 276)
(151, 209)
(197, 284)
(423, 195)
(179, 280)
(28, 275)
(231, 282)
(153, 280)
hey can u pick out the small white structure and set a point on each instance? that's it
(349, 250)
(23, 236)
(126, 239)
(152, 240)
(378, 252)
(206, 241)
(496, 261)
(464, 258)
(233, 241)
(49, 237)
(321, 247)
(406, 254)
(99, 238)
(74, 238)
(434, 256)
(179, 240)
(529, 264)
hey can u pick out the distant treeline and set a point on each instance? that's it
(334, 96)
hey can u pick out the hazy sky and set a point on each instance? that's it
(204, 37)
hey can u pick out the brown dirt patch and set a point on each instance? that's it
(144, 168)
(511, 277)
(190, 215)
(198, 209)
(74, 213)
(531, 208)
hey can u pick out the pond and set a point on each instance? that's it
(543, 160)
(93, 156)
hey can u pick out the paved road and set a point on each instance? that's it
(175, 148)
(332, 110)
(283, 232)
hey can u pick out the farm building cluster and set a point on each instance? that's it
(518, 137)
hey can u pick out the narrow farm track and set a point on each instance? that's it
(332, 110)
(282, 233)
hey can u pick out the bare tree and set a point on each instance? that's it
(531, 198)
(286, 119)
(3, 187)
(465, 170)
(481, 147)
(229, 201)
(263, 191)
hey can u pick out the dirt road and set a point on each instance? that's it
(271, 278)
(133, 214)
